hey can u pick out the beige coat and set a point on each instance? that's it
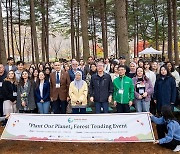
(78, 95)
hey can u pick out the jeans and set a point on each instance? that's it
(43, 107)
(142, 105)
(104, 105)
(162, 131)
(78, 110)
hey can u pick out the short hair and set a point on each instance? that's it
(122, 66)
(10, 58)
(20, 62)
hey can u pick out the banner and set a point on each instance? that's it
(129, 127)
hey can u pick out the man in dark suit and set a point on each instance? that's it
(10, 65)
(59, 88)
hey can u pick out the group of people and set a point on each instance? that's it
(48, 88)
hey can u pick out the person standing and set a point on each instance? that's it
(164, 89)
(2, 77)
(143, 91)
(25, 94)
(101, 89)
(20, 68)
(59, 88)
(10, 65)
(78, 91)
(9, 90)
(122, 61)
(123, 94)
(152, 77)
(73, 70)
(175, 74)
(42, 94)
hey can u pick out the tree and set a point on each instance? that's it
(84, 28)
(34, 33)
(122, 28)
(2, 41)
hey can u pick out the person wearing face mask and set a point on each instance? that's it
(164, 89)
(142, 90)
(123, 93)
(78, 91)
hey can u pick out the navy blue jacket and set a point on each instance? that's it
(101, 87)
(165, 91)
(72, 75)
(46, 92)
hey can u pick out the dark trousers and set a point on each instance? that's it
(152, 106)
(122, 108)
(78, 110)
(1, 107)
(162, 131)
(26, 111)
(59, 106)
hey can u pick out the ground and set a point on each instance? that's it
(29, 147)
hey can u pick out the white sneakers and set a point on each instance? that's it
(177, 148)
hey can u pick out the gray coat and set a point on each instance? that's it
(30, 97)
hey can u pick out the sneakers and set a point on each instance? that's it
(177, 148)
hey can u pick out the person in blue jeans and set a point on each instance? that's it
(101, 89)
(42, 94)
(143, 90)
(168, 129)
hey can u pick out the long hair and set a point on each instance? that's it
(167, 113)
(21, 81)
(144, 75)
(14, 78)
(173, 67)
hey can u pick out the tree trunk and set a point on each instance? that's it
(156, 23)
(77, 31)
(19, 25)
(11, 23)
(84, 25)
(24, 43)
(104, 27)
(34, 33)
(134, 17)
(122, 28)
(94, 33)
(47, 31)
(2, 41)
(72, 30)
(176, 53)
(32, 47)
(169, 30)
(7, 27)
(43, 30)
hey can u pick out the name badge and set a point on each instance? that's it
(0, 84)
(141, 91)
(14, 94)
(57, 85)
(121, 91)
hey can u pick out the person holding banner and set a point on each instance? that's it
(143, 91)
(101, 89)
(168, 129)
(78, 90)
(123, 94)
(42, 94)
(25, 94)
